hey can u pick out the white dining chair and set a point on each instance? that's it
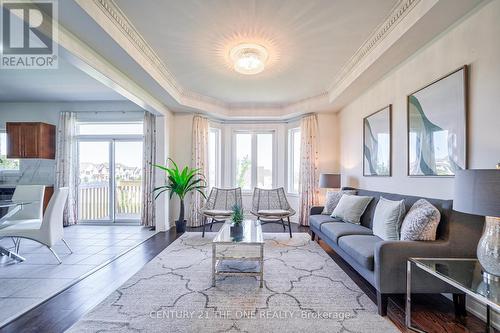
(49, 232)
(31, 212)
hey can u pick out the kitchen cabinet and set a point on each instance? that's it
(31, 140)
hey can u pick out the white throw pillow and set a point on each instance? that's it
(387, 218)
(333, 198)
(351, 207)
(421, 222)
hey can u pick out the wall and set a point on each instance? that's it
(328, 150)
(472, 41)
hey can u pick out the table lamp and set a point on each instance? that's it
(329, 180)
(478, 192)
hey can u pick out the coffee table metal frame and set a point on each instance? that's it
(217, 259)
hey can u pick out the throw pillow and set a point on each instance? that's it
(333, 198)
(351, 207)
(421, 222)
(387, 218)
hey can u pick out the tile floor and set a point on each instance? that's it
(24, 285)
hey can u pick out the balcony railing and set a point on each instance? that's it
(93, 201)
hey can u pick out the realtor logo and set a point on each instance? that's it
(28, 37)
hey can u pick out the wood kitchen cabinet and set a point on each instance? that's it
(31, 140)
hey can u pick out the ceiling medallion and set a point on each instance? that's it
(249, 58)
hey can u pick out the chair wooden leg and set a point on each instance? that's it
(289, 226)
(204, 224)
(283, 224)
(313, 235)
(212, 224)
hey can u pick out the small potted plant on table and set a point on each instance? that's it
(237, 222)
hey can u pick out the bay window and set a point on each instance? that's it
(254, 159)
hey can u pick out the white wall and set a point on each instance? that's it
(473, 41)
(328, 150)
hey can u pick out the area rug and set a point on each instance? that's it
(304, 290)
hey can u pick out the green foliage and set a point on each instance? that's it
(181, 182)
(238, 215)
(244, 166)
(8, 164)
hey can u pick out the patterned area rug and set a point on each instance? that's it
(304, 290)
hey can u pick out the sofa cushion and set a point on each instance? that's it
(332, 200)
(387, 219)
(335, 230)
(361, 248)
(351, 207)
(421, 222)
(317, 220)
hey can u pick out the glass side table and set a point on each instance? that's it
(463, 274)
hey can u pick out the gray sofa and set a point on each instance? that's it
(383, 263)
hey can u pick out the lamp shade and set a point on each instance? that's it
(329, 180)
(477, 192)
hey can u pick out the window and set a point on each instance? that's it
(254, 159)
(214, 158)
(114, 128)
(5, 163)
(293, 160)
(109, 171)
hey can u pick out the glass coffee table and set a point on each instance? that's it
(463, 274)
(228, 253)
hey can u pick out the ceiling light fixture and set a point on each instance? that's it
(249, 59)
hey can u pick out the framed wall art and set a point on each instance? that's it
(377, 143)
(437, 127)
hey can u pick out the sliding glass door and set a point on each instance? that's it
(128, 180)
(94, 160)
(110, 180)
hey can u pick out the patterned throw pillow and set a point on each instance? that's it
(333, 198)
(421, 222)
(351, 207)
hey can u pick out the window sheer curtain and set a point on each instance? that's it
(308, 180)
(66, 164)
(148, 217)
(199, 160)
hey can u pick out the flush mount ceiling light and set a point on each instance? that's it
(248, 58)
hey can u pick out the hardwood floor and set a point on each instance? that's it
(433, 313)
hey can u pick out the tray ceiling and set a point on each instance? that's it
(309, 43)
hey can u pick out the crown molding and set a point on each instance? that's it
(398, 12)
(107, 14)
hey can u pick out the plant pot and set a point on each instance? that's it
(180, 226)
(236, 231)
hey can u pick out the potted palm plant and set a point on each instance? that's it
(181, 182)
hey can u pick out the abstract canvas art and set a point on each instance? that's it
(377, 143)
(437, 135)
